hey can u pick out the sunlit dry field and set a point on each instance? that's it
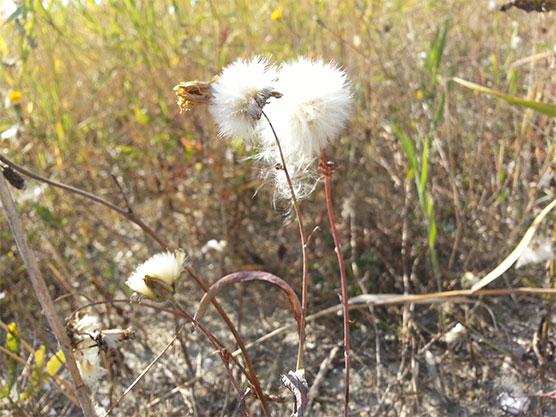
(436, 182)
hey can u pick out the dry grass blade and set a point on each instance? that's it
(512, 257)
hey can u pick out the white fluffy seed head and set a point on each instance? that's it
(88, 324)
(303, 174)
(86, 350)
(234, 95)
(88, 362)
(315, 107)
(165, 267)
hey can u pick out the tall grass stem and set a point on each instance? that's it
(128, 213)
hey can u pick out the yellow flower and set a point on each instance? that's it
(419, 95)
(15, 96)
(276, 14)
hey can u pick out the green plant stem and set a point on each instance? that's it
(338, 244)
(305, 281)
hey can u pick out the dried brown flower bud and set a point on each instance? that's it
(14, 178)
(192, 93)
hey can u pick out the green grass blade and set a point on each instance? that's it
(424, 167)
(545, 108)
(407, 146)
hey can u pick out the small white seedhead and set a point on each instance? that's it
(89, 342)
(315, 107)
(156, 278)
(238, 96)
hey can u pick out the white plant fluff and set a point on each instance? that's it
(89, 365)
(302, 171)
(89, 341)
(234, 101)
(87, 351)
(315, 107)
(156, 277)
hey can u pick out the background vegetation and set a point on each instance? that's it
(433, 180)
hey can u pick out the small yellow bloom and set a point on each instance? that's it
(15, 96)
(276, 14)
(419, 95)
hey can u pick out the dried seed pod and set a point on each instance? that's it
(13, 178)
(192, 93)
(541, 6)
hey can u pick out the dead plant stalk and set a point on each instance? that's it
(41, 291)
(130, 215)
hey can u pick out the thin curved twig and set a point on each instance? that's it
(41, 291)
(134, 219)
(304, 246)
(126, 213)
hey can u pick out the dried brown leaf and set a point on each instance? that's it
(297, 384)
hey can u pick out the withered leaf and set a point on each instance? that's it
(541, 6)
(297, 384)
(13, 178)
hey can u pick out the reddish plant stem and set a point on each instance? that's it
(215, 342)
(128, 213)
(305, 281)
(326, 170)
(143, 372)
(223, 353)
(253, 375)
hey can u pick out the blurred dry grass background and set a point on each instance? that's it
(96, 84)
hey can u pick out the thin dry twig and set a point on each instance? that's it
(41, 291)
(126, 213)
(144, 372)
(363, 302)
(304, 245)
(321, 375)
(134, 219)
